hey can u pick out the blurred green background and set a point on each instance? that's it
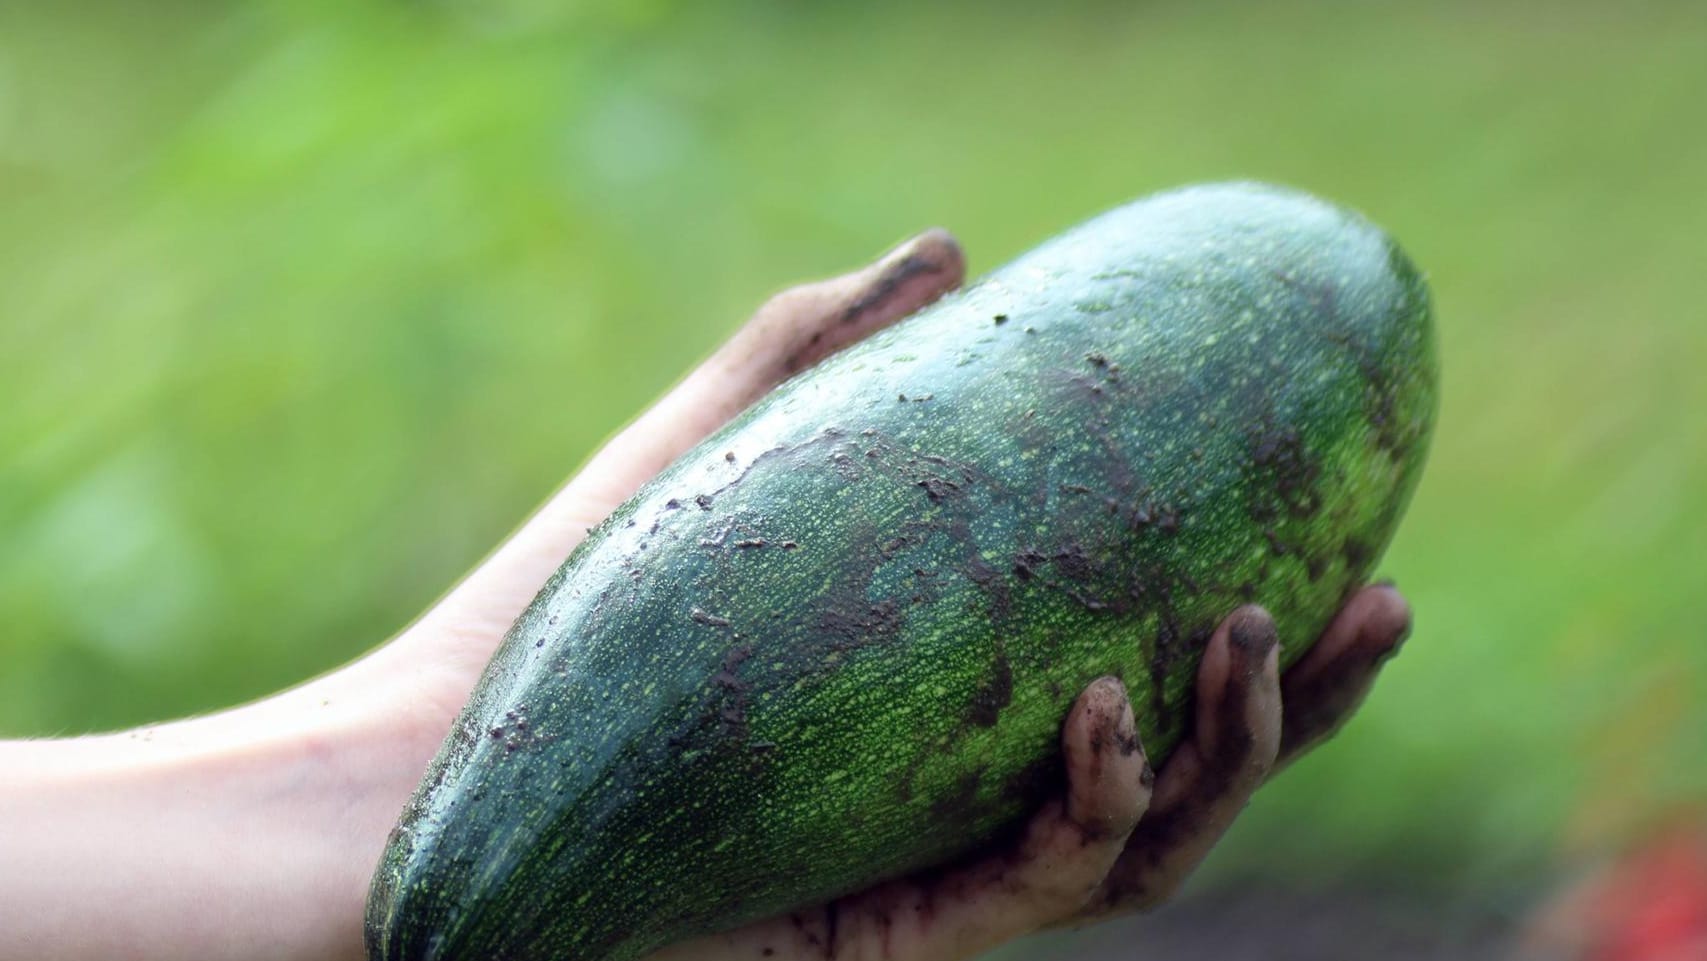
(304, 305)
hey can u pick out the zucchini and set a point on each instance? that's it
(835, 642)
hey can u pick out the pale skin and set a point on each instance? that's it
(252, 833)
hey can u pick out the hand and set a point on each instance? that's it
(253, 833)
(1120, 839)
(1110, 845)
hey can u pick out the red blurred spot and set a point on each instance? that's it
(1652, 906)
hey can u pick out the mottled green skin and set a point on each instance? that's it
(835, 642)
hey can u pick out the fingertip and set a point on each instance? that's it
(801, 326)
(1252, 634)
(1094, 718)
(1108, 776)
(1109, 694)
(937, 248)
(1386, 617)
(1103, 697)
(1239, 649)
(1238, 706)
(1368, 628)
(909, 277)
(1323, 689)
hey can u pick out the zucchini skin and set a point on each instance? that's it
(834, 643)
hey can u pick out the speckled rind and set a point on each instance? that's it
(835, 642)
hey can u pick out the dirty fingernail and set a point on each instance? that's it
(1126, 732)
(1251, 632)
(934, 252)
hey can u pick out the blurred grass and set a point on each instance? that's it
(303, 305)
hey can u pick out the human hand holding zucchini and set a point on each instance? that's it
(833, 644)
(1107, 843)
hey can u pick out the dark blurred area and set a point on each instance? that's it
(1258, 922)
(304, 305)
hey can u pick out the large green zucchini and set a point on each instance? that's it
(835, 642)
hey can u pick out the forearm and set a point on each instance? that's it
(251, 834)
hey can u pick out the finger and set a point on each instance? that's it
(1210, 776)
(795, 329)
(1060, 860)
(1108, 777)
(957, 912)
(801, 326)
(1325, 687)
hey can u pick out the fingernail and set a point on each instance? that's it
(932, 251)
(1251, 640)
(1251, 632)
(1387, 628)
(1108, 686)
(1126, 732)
